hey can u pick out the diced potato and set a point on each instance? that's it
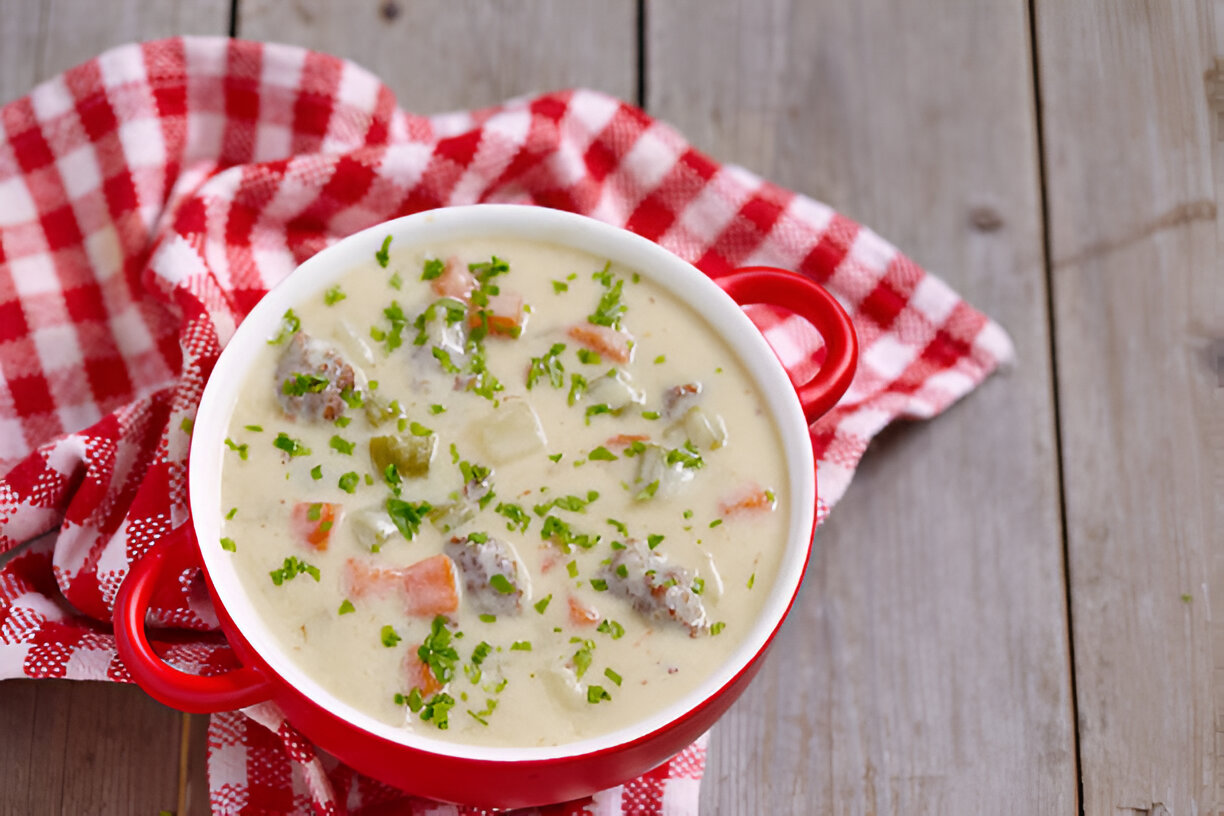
(372, 528)
(655, 478)
(703, 429)
(564, 687)
(411, 455)
(512, 432)
(615, 391)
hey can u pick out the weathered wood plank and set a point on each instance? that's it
(463, 53)
(98, 748)
(1133, 121)
(40, 39)
(925, 669)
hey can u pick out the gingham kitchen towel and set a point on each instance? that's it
(149, 197)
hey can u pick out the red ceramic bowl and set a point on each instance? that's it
(480, 775)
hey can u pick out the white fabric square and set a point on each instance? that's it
(272, 142)
(105, 254)
(34, 275)
(16, 204)
(933, 299)
(79, 171)
(591, 113)
(888, 356)
(650, 159)
(142, 141)
(52, 99)
(131, 334)
(205, 132)
(12, 440)
(58, 347)
(282, 67)
(358, 87)
(121, 66)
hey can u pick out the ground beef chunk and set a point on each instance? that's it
(310, 378)
(479, 561)
(655, 588)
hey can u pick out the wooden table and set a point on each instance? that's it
(1011, 610)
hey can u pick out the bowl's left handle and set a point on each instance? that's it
(164, 683)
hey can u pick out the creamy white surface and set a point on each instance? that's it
(540, 704)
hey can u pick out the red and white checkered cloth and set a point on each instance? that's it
(149, 198)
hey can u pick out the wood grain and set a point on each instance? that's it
(40, 39)
(97, 748)
(925, 668)
(463, 53)
(1133, 122)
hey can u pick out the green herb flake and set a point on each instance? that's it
(395, 281)
(599, 585)
(433, 268)
(383, 255)
(437, 710)
(556, 457)
(334, 295)
(417, 429)
(289, 326)
(489, 618)
(715, 523)
(602, 454)
(241, 450)
(516, 516)
(648, 491)
(613, 676)
(698, 586)
(406, 515)
(521, 646)
(547, 366)
(289, 445)
(228, 544)
(597, 693)
(572, 569)
(652, 415)
(437, 409)
(502, 584)
(414, 700)
(751, 580)
(348, 482)
(233, 511)
(598, 408)
(346, 607)
(588, 357)
(187, 425)
(612, 629)
(653, 540)
(542, 604)
(717, 627)
(291, 568)
(436, 650)
(660, 360)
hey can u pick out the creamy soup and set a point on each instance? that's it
(502, 492)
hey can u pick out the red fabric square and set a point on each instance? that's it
(60, 227)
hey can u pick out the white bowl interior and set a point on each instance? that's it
(491, 220)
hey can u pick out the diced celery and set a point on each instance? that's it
(411, 455)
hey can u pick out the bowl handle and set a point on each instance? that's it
(808, 299)
(164, 683)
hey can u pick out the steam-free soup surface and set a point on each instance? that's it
(502, 492)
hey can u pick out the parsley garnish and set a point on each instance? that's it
(560, 286)
(433, 268)
(339, 443)
(290, 445)
(547, 365)
(407, 516)
(383, 255)
(255, 428)
(301, 384)
(348, 482)
(346, 607)
(502, 584)
(602, 454)
(613, 676)
(289, 326)
(316, 472)
(521, 646)
(717, 627)
(334, 295)
(437, 409)
(436, 650)
(588, 357)
(542, 604)
(596, 694)
(436, 710)
(516, 516)
(653, 540)
(241, 450)
(611, 628)
(488, 618)
(578, 386)
(228, 545)
(389, 636)
(292, 568)
(233, 511)
(598, 408)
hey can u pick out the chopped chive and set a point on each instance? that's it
(488, 618)
(715, 523)
(233, 511)
(228, 545)
(521, 646)
(383, 255)
(613, 676)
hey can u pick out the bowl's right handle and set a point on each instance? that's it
(164, 683)
(809, 300)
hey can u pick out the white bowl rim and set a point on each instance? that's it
(652, 261)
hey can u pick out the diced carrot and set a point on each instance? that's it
(750, 498)
(361, 579)
(548, 560)
(580, 614)
(504, 313)
(625, 440)
(456, 281)
(430, 587)
(313, 522)
(419, 675)
(610, 343)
